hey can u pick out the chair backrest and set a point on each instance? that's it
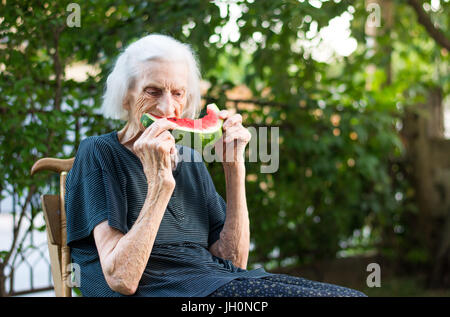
(55, 219)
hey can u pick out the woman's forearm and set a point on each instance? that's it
(234, 242)
(129, 257)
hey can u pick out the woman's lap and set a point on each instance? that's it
(281, 285)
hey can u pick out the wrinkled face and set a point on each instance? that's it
(161, 90)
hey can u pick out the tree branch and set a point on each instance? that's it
(59, 69)
(425, 20)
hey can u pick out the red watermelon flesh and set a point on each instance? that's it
(206, 123)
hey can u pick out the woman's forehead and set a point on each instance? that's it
(164, 74)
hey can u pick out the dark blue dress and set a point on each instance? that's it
(107, 182)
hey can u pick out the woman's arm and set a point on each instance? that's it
(123, 257)
(234, 241)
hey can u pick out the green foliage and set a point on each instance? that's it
(340, 145)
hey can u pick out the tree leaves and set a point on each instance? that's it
(337, 167)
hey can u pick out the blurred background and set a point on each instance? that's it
(359, 91)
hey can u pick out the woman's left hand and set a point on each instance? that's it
(234, 139)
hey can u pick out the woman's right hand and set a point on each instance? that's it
(154, 148)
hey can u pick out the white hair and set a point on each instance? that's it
(129, 64)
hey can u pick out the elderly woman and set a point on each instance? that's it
(140, 224)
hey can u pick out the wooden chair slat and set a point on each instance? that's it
(65, 250)
(52, 215)
(55, 264)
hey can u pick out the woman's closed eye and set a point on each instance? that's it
(157, 92)
(177, 93)
(154, 92)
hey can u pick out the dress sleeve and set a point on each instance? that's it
(216, 209)
(93, 193)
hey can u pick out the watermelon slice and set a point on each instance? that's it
(194, 133)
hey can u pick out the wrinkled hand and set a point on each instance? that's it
(155, 148)
(231, 146)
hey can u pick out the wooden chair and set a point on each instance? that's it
(55, 219)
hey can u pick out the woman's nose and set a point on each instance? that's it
(166, 106)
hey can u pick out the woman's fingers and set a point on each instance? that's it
(235, 119)
(237, 133)
(164, 148)
(229, 118)
(161, 145)
(224, 114)
(159, 126)
(157, 134)
(164, 143)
